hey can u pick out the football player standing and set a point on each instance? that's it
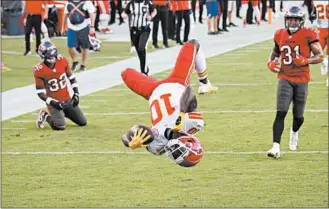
(290, 60)
(51, 85)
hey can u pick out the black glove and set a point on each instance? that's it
(57, 105)
(75, 99)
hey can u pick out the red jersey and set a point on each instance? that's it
(53, 81)
(291, 45)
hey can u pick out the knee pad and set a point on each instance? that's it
(195, 43)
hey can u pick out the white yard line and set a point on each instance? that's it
(4, 128)
(143, 153)
(203, 111)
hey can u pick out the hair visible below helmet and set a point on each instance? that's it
(47, 51)
(185, 151)
(294, 12)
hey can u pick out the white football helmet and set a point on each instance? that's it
(95, 43)
(185, 151)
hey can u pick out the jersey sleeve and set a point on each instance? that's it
(39, 81)
(312, 36)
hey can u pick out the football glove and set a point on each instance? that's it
(274, 66)
(300, 61)
(179, 122)
(75, 100)
(140, 136)
(57, 105)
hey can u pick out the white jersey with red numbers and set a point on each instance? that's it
(164, 104)
(322, 10)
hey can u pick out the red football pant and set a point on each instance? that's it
(144, 85)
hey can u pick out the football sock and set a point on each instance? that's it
(297, 123)
(278, 126)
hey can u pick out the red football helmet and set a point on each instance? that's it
(185, 151)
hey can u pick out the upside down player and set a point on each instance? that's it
(50, 82)
(322, 15)
(290, 59)
(173, 107)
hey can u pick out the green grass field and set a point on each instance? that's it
(234, 171)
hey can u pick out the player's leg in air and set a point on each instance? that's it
(139, 83)
(285, 94)
(191, 57)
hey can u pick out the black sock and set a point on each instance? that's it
(204, 80)
(278, 126)
(297, 123)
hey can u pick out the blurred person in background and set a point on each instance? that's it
(182, 11)
(201, 3)
(162, 15)
(212, 13)
(141, 12)
(171, 22)
(33, 13)
(244, 10)
(80, 16)
(230, 9)
(104, 15)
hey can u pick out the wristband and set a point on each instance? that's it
(48, 100)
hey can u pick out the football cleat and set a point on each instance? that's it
(207, 88)
(273, 152)
(293, 141)
(40, 123)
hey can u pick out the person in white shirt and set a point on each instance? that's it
(81, 19)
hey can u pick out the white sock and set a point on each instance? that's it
(276, 145)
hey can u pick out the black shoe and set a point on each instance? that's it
(166, 45)
(225, 30)
(200, 21)
(147, 71)
(179, 43)
(233, 25)
(82, 68)
(265, 20)
(74, 66)
(27, 53)
(220, 30)
(155, 46)
(121, 22)
(239, 17)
